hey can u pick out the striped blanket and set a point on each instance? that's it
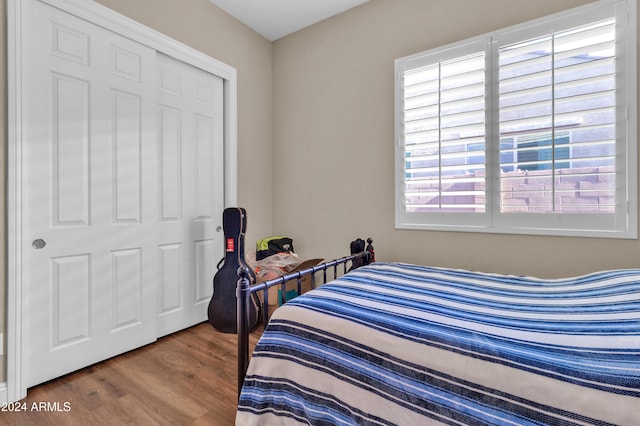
(412, 345)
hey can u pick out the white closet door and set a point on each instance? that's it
(90, 220)
(190, 129)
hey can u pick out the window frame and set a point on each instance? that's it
(622, 223)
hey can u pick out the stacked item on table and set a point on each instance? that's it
(275, 257)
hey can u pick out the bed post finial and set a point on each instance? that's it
(371, 250)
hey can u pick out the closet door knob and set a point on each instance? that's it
(39, 243)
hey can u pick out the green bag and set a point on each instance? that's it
(273, 245)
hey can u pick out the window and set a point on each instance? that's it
(531, 129)
(542, 153)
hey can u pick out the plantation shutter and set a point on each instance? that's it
(444, 128)
(531, 129)
(557, 122)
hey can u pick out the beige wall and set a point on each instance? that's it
(203, 26)
(333, 127)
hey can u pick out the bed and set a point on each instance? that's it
(394, 343)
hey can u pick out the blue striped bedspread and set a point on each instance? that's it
(402, 344)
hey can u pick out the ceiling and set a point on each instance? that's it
(274, 19)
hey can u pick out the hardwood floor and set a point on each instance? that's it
(188, 378)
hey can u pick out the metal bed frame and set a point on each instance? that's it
(245, 291)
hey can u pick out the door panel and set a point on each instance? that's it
(70, 287)
(127, 287)
(171, 279)
(90, 194)
(204, 155)
(127, 157)
(171, 148)
(204, 271)
(70, 151)
(190, 131)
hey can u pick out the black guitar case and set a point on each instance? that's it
(223, 306)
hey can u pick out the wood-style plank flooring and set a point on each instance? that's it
(187, 378)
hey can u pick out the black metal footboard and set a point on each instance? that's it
(245, 291)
